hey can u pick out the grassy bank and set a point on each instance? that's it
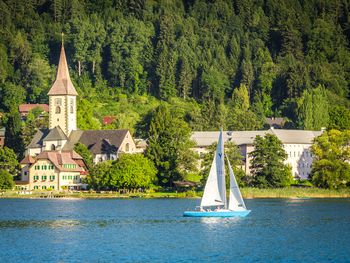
(246, 192)
(291, 192)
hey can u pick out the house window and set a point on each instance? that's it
(36, 177)
(43, 187)
(53, 147)
(64, 177)
(52, 177)
(58, 110)
(43, 178)
(69, 177)
(52, 187)
(36, 187)
(69, 166)
(127, 147)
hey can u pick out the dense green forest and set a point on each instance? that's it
(227, 63)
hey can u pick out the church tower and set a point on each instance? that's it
(62, 99)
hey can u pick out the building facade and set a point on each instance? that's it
(296, 143)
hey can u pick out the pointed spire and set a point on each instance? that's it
(63, 84)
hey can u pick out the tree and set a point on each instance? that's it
(331, 168)
(6, 180)
(100, 176)
(313, 109)
(132, 171)
(8, 161)
(267, 164)
(239, 116)
(36, 119)
(13, 134)
(169, 142)
(339, 118)
(86, 154)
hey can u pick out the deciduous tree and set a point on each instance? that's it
(267, 164)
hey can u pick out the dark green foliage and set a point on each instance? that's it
(86, 154)
(169, 146)
(313, 109)
(339, 118)
(8, 161)
(36, 119)
(6, 180)
(267, 165)
(331, 168)
(199, 51)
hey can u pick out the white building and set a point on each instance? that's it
(296, 143)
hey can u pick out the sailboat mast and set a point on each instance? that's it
(220, 166)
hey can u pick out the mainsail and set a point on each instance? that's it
(211, 195)
(236, 201)
(215, 188)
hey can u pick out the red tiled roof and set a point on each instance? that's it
(28, 159)
(108, 119)
(60, 158)
(27, 107)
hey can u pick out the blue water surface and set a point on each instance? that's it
(137, 230)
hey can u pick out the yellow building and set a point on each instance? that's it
(53, 170)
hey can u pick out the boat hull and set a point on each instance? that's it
(216, 213)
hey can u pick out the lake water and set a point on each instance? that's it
(136, 230)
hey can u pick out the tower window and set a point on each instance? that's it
(71, 106)
(58, 110)
(58, 102)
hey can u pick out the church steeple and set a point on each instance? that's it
(63, 84)
(62, 98)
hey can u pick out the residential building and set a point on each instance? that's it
(25, 108)
(296, 143)
(103, 144)
(54, 170)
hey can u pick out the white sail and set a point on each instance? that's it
(236, 201)
(220, 168)
(211, 195)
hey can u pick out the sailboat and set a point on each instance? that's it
(214, 201)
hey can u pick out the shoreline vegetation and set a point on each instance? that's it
(248, 193)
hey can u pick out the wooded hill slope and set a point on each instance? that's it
(215, 63)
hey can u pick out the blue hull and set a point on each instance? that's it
(216, 213)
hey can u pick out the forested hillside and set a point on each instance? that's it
(214, 63)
